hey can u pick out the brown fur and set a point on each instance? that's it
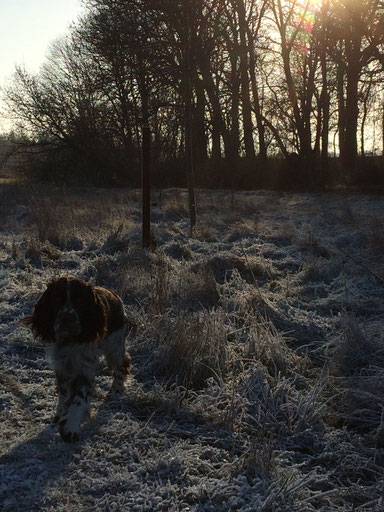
(99, 310)
(78, 322)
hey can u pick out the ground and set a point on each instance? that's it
(257, 347)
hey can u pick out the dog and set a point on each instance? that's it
(78, 323)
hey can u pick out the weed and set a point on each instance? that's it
(190, 349)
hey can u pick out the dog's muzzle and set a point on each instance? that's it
(67, 324)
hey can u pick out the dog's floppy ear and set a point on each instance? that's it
(43, 317)
(91, 311)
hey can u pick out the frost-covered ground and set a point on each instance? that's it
(257, 343)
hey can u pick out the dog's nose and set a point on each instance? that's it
(67, 323)
(67, 316)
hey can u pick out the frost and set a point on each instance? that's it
(257, 344)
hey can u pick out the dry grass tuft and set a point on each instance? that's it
(358, 364)
(203, 231)
(160, 288)
(348, 213)
(189, 349)
(117, 241)
(34, 252)
(224, 264)
(196, 289)
(174, 204)
(127, 272)
(267, 345)
(53, 218)
(310, 243)
(355, 350)
(375, 233)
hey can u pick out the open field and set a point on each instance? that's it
(257, 344)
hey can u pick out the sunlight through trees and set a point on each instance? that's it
(302, 79)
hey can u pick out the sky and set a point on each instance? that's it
(26, 29)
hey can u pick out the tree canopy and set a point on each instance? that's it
(302, 79)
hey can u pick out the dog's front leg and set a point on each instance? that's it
(77, 406)
(63, 390)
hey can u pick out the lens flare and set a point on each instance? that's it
(303, 24)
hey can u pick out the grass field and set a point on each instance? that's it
(257, 346)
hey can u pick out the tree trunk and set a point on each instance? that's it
(219, 127)
(199, 137)
(146, 171)
(218, 124)
(349, 154)
(302, 130)
(324, 105)
(188, 124)
(382, 128)
(235, 102)
(256, 101)
(341, 107)
(306, 106)
(245, 96)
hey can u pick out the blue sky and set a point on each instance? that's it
(26, 29)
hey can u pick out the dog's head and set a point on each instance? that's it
(68, 311)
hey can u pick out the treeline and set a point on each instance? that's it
(253, 91)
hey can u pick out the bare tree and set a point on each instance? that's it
(354, 42)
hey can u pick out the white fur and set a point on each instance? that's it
(73, 362)
(78, 409)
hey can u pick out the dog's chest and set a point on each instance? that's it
(72, 359)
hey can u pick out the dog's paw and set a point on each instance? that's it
(67, 433)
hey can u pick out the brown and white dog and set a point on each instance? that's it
(79, 322)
